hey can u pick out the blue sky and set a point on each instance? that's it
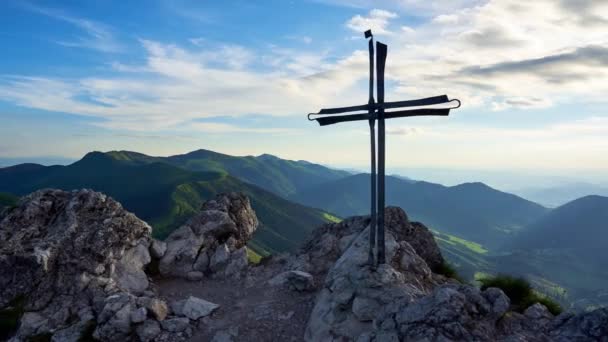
(165, 77)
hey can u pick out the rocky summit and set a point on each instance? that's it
(76, 266)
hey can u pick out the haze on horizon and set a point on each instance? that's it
(167, 77)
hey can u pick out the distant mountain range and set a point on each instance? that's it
(580, 225)
(565, 251)
(166, 195)
(479, 229)
(561, 194)
(471, 210)
(283, 177)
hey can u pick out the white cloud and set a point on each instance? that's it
(222, 128)
(97, 36)
(476, 54)
(377, 20)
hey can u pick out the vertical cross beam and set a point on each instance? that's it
(381, 50)
(372, 134)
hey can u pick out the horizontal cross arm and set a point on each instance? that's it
(330, 120)
(387, 105)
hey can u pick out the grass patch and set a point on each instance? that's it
(331, 218)
(520, 292)
(447, 270)
(456, 241)
(253, 257)
(10, 317)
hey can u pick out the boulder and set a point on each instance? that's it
(354, 295)
(148, 330)
(195, 308)
(73, 256)
(294, 280)
(176, 324)
(158, 248)
(213, 240)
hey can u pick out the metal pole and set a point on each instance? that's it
(372, 134)
(380, 64)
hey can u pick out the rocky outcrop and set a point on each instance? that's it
(213, 242)
(404, 300)
(76, 260)
(72, 267)
(355, 295)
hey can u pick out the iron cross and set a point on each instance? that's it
(371, 112)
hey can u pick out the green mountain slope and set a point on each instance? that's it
(165, 195)
(473, 211)
(566, 247)
(280, 176)
(580, 225)
(7, 200)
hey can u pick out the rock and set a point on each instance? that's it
(117, 326)
(129, 271)
(195, 308)
(365, 309)
(498, 299)
(158, 308)
(148, 330)
(222, 336)
(65, 253)
(205, 242)
(337, 313)
(202, 262)
(294, 280)
(219, 258)
(158, 248)
(175, 324)
(177, 307)
(238, 264)
(139, 315)
(588, 326)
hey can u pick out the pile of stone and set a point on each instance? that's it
(212, 243)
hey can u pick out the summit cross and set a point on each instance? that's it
(371, 112)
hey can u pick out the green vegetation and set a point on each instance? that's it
(446, 269)
(466, 256)
(7, 200)
(472, 211)
(10, 317)
(331, 218)
(253, 257)
(280, 176)
(520, 292)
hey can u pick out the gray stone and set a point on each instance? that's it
(220, 258)
(294, 280)
(175, 324)
(202, 262)
(195, 308)
(139, 315)
(194, 246)
(238, 263)
(148, 330)
(66, 253)
(365, 309)
(158, 248)
(130, 274)
(222, 336)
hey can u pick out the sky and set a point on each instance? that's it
(167, 77)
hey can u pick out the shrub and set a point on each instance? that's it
(446, 269)
(520, 292)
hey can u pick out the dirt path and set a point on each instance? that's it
(258, 312)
